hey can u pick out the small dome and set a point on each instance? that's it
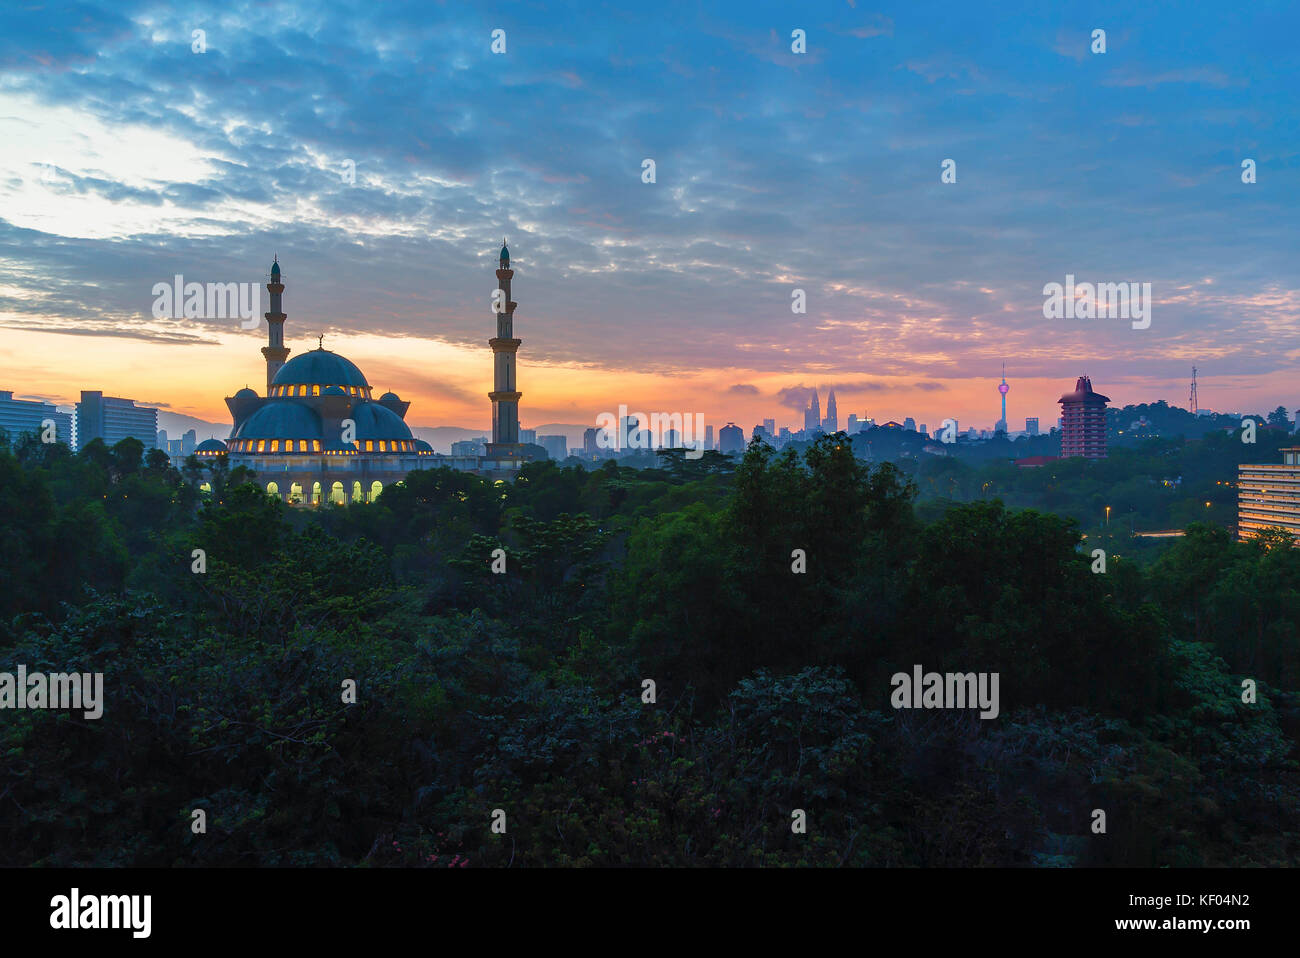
(320, 367)
(505, 254)
(422, 446)
(332, 391)
(389, 397)
(377, 422)
(275, 267)
(281, 419)
(210, 445)
(245, 393)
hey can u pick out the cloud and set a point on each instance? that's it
(743, 389)
(795, 397)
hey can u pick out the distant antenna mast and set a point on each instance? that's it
(1192, 397)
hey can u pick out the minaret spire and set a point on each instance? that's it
(505, 397)
(274, 350)
(1003, 388)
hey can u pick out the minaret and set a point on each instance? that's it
(504, 395)
(1004, 389)
(274, 350)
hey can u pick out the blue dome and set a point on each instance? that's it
(281, 419)
(320, 367)
(210, 445)
(275, 268)
(389, 396)
(245, 393)
(375, 422)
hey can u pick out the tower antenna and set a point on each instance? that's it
(1192, 398)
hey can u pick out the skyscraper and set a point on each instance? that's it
(1031, 426)
(112, 420)
(812, 417)
(1083, 422)
(769, 426)
(18, 416)
(909, 423)
(731, 439)
(1269, 495)
(832, 421)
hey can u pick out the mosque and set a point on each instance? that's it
(319, 434)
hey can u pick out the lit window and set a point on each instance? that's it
(315, 390)
(370, 445)
(315, 445)
(261, 445)
(275, 445)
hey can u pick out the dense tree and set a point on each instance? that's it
(674, 659)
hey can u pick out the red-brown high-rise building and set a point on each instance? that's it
(1083, 422)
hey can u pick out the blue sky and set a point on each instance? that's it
(128, 158)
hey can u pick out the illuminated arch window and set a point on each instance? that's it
(273, 489)
(315, 493)
(370, 445)
(315, 390)
(315, 445)
(337, 496)
(376, 488)
(261, 445)
(356, 492)
(275, 445)
(295, 492)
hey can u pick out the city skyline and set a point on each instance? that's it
(133, 158)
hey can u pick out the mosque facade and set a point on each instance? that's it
(320, 435)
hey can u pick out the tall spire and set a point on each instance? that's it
(1003, 388)
(274, 350)
(505, 396)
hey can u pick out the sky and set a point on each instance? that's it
(132, 151)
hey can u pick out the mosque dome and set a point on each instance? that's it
(210, 447)
(282, 419)
(246, 393)
(376, 422)
(389, 397)
(320, 367)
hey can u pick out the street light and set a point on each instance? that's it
(1108, 516)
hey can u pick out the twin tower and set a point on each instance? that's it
(504, 395)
